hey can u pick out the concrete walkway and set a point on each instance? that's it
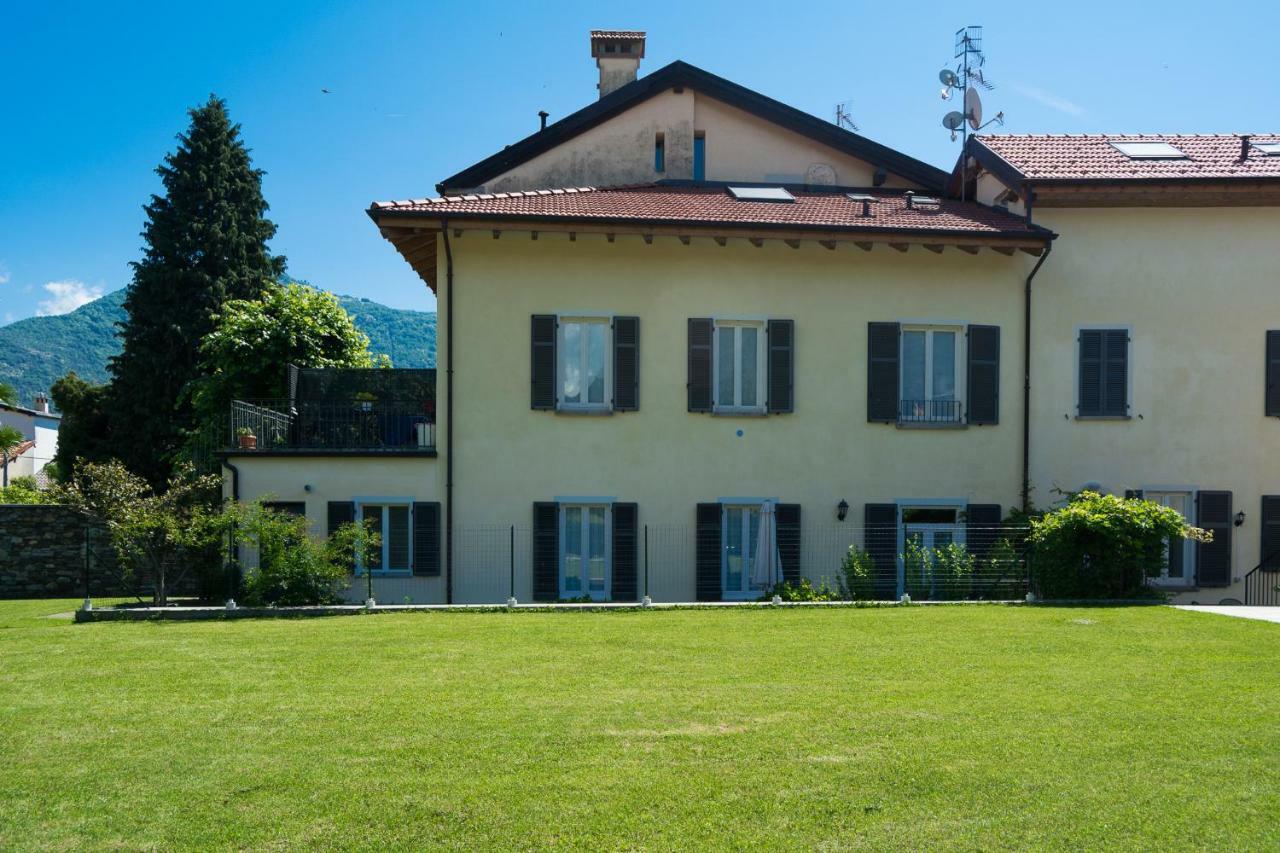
(1265, 614)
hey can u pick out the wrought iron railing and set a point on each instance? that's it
(281, 424)
(930, 411)
(1262, 584)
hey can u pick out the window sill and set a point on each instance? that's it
(590, 413)
(739, 413)
(387, 573)
(1104, 417)
(932, 425)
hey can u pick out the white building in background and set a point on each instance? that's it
(39, 428)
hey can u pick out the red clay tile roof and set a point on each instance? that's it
(671, 205)
(616, 34)
(16, 451)
(1093, 157)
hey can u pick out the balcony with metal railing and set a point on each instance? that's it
(940, 412)
(341, 411)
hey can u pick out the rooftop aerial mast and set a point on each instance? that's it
(967, 77)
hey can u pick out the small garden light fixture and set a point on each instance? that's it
(842, 510)
(1239, 518)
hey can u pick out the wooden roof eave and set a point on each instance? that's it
(402, 228)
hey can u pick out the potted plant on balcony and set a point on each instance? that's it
(246, 439)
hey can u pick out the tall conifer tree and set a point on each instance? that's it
(205, 242)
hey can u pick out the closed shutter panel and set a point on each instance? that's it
(1116, 386)
(1213, 559)
(625, 553)
(426, 539)
(984, 375)
(1269, 556)
(1090, 373)
(543, 362)
(1273, 374)
(982, 529)
(788, 518)
(881, 541)
(340, 513)
(782, 337)
(546, 551)
(1130, 494)
(882, 372)
(701, 330)
(626, 364)
(708, 552)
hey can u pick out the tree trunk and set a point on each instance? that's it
(162, 598)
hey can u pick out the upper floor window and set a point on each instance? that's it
(739, 366)
(930, 379)
(1103, 378)
(584, 363)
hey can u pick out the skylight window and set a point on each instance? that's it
(1271, 149)
(1149, 150)
(774, 194)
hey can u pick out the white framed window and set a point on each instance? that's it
(739, 533)
(390, 518)
(931, 381)
(1178, 565)
(926, 528)
(739, 367)
(586, 531)
(585, 369)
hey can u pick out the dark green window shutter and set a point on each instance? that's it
(1273, 374)
(543, 362)
(625, 553)
(983, 524)
(882, 373)
(707, 555)
(1104, 373)
(340, 513)
(1269, 555)
(546, 551)
(1130, 494)
(984, 375)
(788, 519)
(626, 364)
(426, 539)
(880, 538)
(1213, 559)
(782, 365)
(701, 331)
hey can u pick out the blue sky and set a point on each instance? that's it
(92, 97)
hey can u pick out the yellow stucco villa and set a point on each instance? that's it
(688, 309)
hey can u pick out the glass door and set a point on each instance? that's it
(741, 526)
(584, 563)
(1177, 568)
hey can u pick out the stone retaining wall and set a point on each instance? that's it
(42, 554)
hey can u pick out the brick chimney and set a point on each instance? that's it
(42, 402)
(617, 54)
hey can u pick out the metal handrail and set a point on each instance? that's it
(929, 411)
(341, 425)
(1260, 592)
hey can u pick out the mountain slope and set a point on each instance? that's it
(36, 351)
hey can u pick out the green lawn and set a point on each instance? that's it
(991, 727)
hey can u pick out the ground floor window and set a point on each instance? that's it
(740, 526)
(391, 522)
(1177, 567)
(927, 534)
(584, 551)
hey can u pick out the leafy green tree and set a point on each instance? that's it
(205, 244)
(1102, 546)
(23, 490)
(8, 394)
(294, 569)
(10, 438)
(245, 355)
(83, 434)
(157, 534)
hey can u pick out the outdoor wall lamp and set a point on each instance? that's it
(842, 509)
(1239, 518)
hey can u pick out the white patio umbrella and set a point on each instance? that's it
(767, 568)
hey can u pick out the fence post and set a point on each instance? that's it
(88, 599)
(511, 600)
(647, 600)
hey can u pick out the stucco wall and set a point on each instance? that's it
(1199, 290)
(666, 459)
(739, 147)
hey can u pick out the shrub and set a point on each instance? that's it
(1101, 546)
(802, 590)
(293, 569)
(857, 575)
(23, 490)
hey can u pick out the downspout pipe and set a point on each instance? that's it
(1026, 379)
(448, 415)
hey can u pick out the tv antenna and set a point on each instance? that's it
(844, 118)
(966, 78)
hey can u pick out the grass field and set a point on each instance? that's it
(991, 727)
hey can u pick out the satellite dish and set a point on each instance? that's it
(953, 120)
(948, 77)
(973, 108)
